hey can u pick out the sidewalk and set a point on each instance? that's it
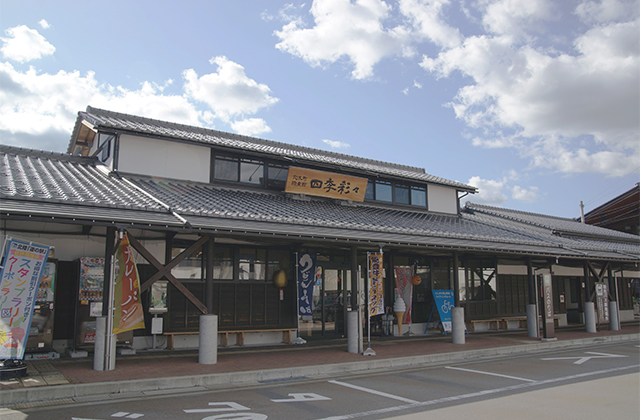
(69, 380)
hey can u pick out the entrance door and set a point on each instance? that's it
(333, 284)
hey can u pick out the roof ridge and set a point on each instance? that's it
(249, 139)
(495, 209)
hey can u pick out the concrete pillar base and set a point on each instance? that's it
(208, 346)
(458, 327)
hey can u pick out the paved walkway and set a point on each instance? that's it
(69, 380)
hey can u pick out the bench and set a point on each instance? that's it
(287, 334)
(505, 323)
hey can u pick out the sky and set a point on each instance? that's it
(534, 102)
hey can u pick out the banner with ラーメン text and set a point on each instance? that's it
(376, 291)
(20, 276)
(128, 314)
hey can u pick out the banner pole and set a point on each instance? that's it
(369, 351)
(298, 339)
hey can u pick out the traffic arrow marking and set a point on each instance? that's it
(583, 359)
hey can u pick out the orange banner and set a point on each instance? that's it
(325, 184)
(128, 313)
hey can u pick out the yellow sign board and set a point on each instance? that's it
(325, 184)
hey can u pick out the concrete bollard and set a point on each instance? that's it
(208, 346)
(532, 321)
(458, 328)
(99, 345)
(614, 322)
(590, 317)
(353, 340)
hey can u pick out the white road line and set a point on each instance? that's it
(477, 394)
(373, 391)
(489, 373)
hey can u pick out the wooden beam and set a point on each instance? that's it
(167, 271)
(174, 262)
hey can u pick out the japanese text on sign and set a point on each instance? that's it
(19, 281)
(376, 294)
(306, 279)
(325, 184)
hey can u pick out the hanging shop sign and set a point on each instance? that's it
(20, 276)
(376, 291)
(306, 278)
(128, 313)
(325, 184)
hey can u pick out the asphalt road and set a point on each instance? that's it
(596, 381)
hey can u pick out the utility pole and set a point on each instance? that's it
(582, 211)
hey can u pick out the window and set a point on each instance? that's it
(481, 280)
(105, 142)
(252, 264)
(191, 268)
(223, 263)
(419, 196)
(251, 172)
(384, 192)
(226, 169)
(277, 176)
(402, 194)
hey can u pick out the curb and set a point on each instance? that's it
(67, 394)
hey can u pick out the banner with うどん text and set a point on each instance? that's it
(376, 291)
(128, 313)
(22, 270)
(306, 279)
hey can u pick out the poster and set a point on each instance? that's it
(306, 277)
(128, 314)
(405, 289)
(20, 276)
(376, 291)
(444, 302)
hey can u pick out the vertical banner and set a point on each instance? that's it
(306, 279)
(405, 289)
(19, 282)
(548, 329)
(602, 302)
(128, 313)
(376, 291)
(443, 299)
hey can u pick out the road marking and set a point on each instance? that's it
(222, 406)
(489, 373)
(127, 415)
(478, 394)
(583, 359)
(373, 391)
(303, 398)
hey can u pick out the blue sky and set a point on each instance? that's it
(535, 102)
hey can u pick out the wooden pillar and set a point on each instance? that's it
(456, 280)
(355, 284)
(108, 257)
(209, 276)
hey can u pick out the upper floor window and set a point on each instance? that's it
(234, 169)
(397, 193)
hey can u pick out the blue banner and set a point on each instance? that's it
(306, 278)
(444, 302)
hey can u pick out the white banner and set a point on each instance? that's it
(22, 269)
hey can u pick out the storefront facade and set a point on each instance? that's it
(215, 218)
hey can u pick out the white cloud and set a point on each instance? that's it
(490, 192)
(344, 29)
(572, 111)
(426, 19)
(25, 44)
(522, 194)
(44, 24)
(229, 92)
(607, 10)
(335, 144)
(250, 126)
(517, 17)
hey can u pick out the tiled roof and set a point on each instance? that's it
(102, 119)
(557, 225)
(68, 187)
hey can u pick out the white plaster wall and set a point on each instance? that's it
(442, 199)
(162, 158)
